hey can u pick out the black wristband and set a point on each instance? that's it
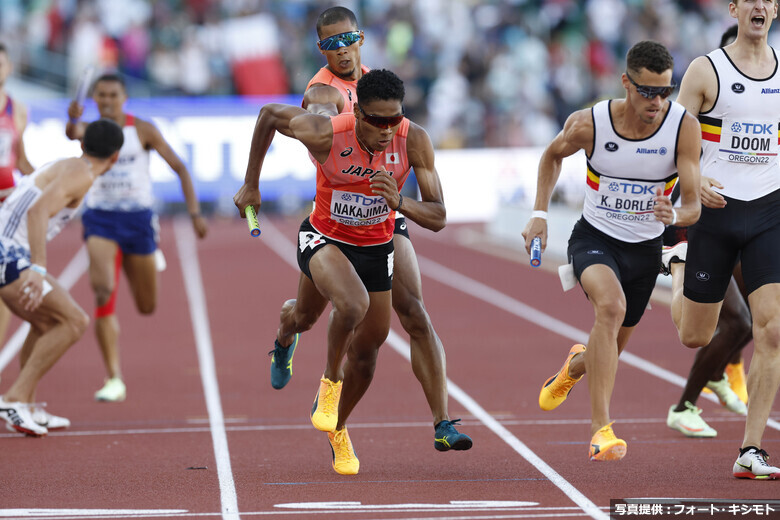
(400, 202)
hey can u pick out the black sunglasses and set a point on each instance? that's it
(650, 92)
(381, 121)
(331, 43)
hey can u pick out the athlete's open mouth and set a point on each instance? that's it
(757, 20)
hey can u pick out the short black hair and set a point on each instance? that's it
(649, 55)
(729, 36)
(102, 138)
(335, 15)
(380, 84)
(110, 76)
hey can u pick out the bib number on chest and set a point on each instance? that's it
(748, 142)
(621, 199)
(357, 209)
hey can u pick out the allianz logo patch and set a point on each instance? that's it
(770, 90)
(652, 151)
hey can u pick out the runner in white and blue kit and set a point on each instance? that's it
(120, 227)
(35, 212)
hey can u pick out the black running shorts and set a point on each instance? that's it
(747, 228)
(636, 265)
(373, 264)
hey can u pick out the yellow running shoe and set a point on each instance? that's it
(557, 388)
(736, 373)
(605, 446)
(325, 411)
(345, 460)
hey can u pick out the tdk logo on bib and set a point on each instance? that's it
(753, 128)
(633, 189)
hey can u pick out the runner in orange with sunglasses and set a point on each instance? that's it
(331, 91)
(345, 247)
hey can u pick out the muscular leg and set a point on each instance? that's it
(427, 352)
(764, 374)
(103, 277)
(301, 314)
(336, 280)
(361, 356)
(5, 319)
(56, 325)
(141, 271)
(601, 357)
(732, 334)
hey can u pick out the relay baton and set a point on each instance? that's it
(251, 220)
(83, 87)
(536, 252)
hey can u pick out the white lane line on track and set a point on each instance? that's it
(283, 247)
(70, 275)
(492, 296)
(193, 283)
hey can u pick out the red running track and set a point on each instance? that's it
(203, 434)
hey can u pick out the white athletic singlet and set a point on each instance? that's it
(13, 213)
(740, 132)
(127, 186)
(623, 175)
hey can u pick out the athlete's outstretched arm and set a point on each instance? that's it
(313, 130)
(70, 181)
(577, 134)
(429, 211)
(151, 137)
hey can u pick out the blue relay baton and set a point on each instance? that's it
(536, 252)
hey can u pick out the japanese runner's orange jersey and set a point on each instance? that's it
(348, 89)
(345, 209)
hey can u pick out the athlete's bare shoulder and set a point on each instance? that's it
(699, 87)
(578, 129)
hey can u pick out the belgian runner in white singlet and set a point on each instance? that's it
(636, 147)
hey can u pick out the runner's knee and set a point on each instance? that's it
(146, 307)
(413, 316)
(611, 312)
(696, 338)
(76, 323)
(351, 311)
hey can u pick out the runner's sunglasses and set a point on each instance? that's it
(651, 92)
(331, 43)
(381, 121)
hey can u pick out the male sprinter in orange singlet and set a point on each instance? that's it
(345, 247)
(330, 91)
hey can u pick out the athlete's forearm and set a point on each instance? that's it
(430, 215)
(547, 178)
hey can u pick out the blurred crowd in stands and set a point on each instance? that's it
(487, 73)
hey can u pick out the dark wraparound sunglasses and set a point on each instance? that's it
(381, 121)
(651, 92)
(331, 43)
